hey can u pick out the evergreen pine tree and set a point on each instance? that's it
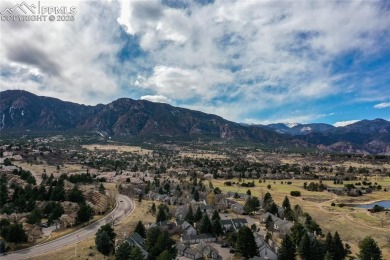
(286, 203)
(215, 215)
(246, 245)
(273, 209)
(190, 216)
(339, 250)
(287, 249)
(205, 226)
(304, 249)
(161, 215)
(85, 213)
(140, 229)
(151, 237)
(110, 231)
(369, 250)
(103, 243)
(198, 215)
(317, 249)
(217, 227)
(165, 242)
(136, 254)
(165, 255)
(102, 190)
(123, 251)
(329, 245)
(196, 195)
(269, 222)
(15, 233)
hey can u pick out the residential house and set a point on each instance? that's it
(164, 225)
(181, 212)
(135, 239)
(207, 208)
(33, 232)
(188, 252)
(237, 208)
(70, 207)
(282, 225)
(199, 251)
(265, 216)
(197, 239)
(265, 250)
(234, 224)
(207, 251)
(68, 220)
(228, 203)
(186, 228)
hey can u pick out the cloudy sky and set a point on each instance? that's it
(250, 61)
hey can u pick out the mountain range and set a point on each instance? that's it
(23, 111)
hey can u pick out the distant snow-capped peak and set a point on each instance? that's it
(291, 125)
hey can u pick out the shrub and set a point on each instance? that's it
(295, 193)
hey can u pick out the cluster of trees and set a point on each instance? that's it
(252, 204)
(105, 239)
(269, 204)
(248, 184)
(204, 224)
(24, 200)
(295, 193)
(126, 252)
(53, 211)
(25, 175)
(332, 248)
(314, 186)
(159, 245)
(163, 213)
(84, 178)
(12, 232)
(109, 164)
(244, 242)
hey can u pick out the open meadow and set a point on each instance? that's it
(118, 148)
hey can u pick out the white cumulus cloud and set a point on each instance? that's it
(382, 105)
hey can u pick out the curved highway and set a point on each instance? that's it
(124, 206)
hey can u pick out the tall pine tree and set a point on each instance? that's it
(286, 203)
(215, 215)
(140, 229)
(205, 226)
(198, 215)
(287, 249)
(246, 245)
(339, 250)
(369, 249)
(190, 216)
(304, 249)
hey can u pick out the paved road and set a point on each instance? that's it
(124, 206)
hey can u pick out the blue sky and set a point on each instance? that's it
(251, 61)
